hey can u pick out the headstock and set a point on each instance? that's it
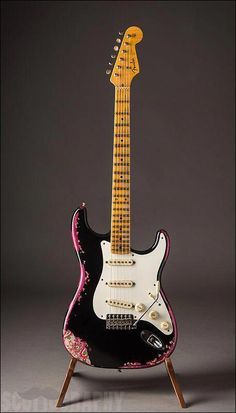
(126, 62)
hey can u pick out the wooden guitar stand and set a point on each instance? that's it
(169, 368)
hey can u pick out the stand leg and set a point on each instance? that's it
(171, 373)
(66, 382)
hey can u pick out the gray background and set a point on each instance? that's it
(57, 126)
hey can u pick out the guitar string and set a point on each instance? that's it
(126, 151)
(113, 198)
(125, 163)
(118, 192)
(129, 149)
(123, 169)
(121, 140)
(119, 242)
(118, 187)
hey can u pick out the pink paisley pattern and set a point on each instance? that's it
(154, 362)
(76, 346)
(75, 233)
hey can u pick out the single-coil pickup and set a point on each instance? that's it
(119, 303)
(123, 283)
(120, 262)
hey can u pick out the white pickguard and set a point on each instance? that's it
(144, 273)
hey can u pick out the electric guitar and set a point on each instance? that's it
(119, 317)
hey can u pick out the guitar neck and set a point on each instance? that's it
(120, 214)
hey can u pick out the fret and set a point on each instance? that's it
(121, 124)
(119, 232)
(122, 101)
(122, 135)
(121, 221)
(117, 195)
(120, 248)
(121, 172)
(118, 239)
(121, 251)
(123, 244)
(120, 202)
(120, 188)
(120, 209)
(121, 181)
(122, 154)
(122, 145)
(121, 164)
(122, 113)
(123, 226)
(123, 215)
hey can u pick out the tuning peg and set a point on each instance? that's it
(116, 48)
(113, 56)
(108, 71)
(118, 40)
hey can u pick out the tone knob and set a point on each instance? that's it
(139, 307)
(116, 48)
(110, 64)
(118, 41)
(153, 315)
(164, 325)
(113, 56)
(121, 33)
(108, 71)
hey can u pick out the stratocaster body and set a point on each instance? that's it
(119, 316)
(85, 334)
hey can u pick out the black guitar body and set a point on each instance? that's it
(86, 336)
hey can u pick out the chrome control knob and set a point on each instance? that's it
(116, 48)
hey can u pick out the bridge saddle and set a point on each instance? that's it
(120, 322)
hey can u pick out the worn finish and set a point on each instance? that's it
(91, 342)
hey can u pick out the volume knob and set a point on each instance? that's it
(153, 315)
(164, 325)
(140, 307)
